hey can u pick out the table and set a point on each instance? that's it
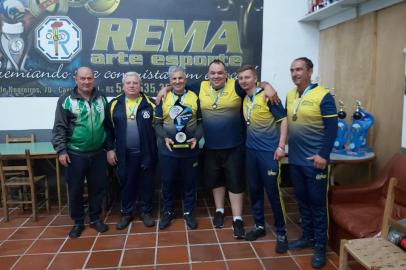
(38, 150)
(336, 159)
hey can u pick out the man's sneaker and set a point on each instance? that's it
(147, 220)
(238, 227)
(76, 230)
(319, 257)
(281, 244)
(99, 226)
(218, 220)
(124, 222)
(255, 234)
(166, 220)
(190, 221)
(301, 243)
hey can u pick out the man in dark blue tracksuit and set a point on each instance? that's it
(132, 146)
(312, 123)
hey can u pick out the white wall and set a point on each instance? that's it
(284, 39)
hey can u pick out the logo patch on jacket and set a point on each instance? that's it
(272, 173)
(321, 176)
(146, 114)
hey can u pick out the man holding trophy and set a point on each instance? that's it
(178, 128)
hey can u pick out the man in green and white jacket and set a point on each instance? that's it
(79, 139)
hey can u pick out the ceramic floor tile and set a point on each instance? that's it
(26, 233)
(69, 261)
(266, 248)
(171, 238)
(202, 237)
(238, 251)
(13, 222)
(205, 253)
(251, 264)
(168, 255)
(6, 233)
(204, 223)
(141, 240)
(226, 236)
(109, 242)
(33, 262)
(138, 227)
(42, 221)
(78, 244)
(173, 267)
(103, 259)
(14, 247)
(56, 232)
(62, 220)
(7, 262)
(133, 257)
(209, 265)
(280, 263)
(46, 246)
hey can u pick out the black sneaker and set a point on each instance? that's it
(319, 257)
(281, 244)
(190, 221)
(166, 220)
(99, 226)
(238, 228)
(124, 222)
(255, 234)
(301, 243)
(218, 220)
(76, 230)
(147, 220)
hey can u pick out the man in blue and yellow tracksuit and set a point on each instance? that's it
(266, 126)
(131, 144)
(178, 124)
(312, 124)
(78, 137)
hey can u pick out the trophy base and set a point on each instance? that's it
(181, 146)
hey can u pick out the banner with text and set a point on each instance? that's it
(43, 42)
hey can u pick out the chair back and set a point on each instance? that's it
(10, 139)
(25, 165)
(395, 168)
(388, 219)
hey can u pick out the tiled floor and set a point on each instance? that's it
(25, 244)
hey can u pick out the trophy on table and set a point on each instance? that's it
(361, 122)
(342, 132)
(181, 116)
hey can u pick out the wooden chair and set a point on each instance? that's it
(10, 139)
(28, 180)
(377, 253)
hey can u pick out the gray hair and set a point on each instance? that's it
(131, 74)
(173, 69)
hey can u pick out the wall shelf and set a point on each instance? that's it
(345, 10)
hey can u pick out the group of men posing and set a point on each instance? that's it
(243, 125)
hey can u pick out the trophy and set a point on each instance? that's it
(339, 143)
(361, 122)
(181, 116)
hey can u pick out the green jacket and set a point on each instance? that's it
(78, 123)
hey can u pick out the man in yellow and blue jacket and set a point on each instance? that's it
(312, 124)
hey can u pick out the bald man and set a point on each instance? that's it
(78, 137)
